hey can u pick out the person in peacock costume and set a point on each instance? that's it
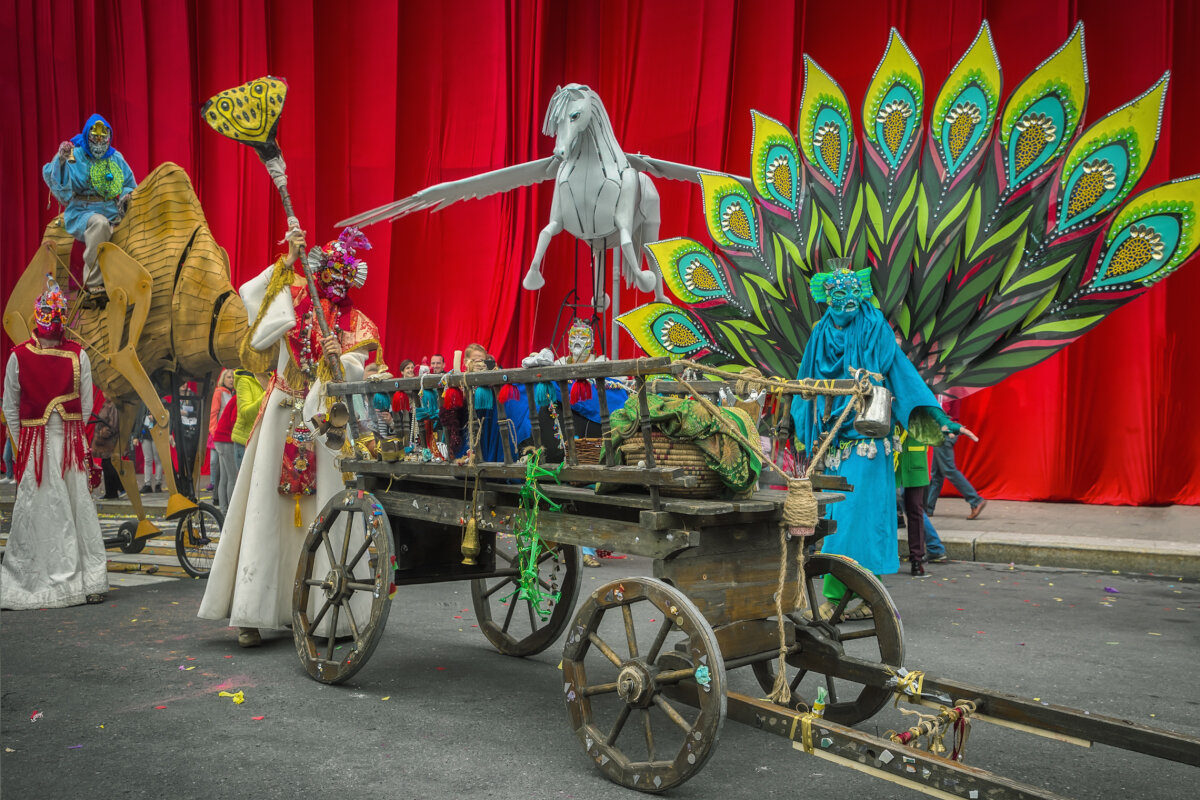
(989, 237)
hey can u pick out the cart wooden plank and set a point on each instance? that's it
(497, 517)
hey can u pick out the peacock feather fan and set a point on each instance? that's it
(994, 235)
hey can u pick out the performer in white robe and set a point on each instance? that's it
(254, 567)
(55, 552)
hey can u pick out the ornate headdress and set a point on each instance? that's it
(841, 283)
(580, 329)
(340, 266)
(50, 310)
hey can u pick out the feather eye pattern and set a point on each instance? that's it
(992, 237)
(892, 121)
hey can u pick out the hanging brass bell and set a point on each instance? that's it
(470, 543)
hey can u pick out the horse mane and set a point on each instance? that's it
(601, 127)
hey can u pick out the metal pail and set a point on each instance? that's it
(876, 420)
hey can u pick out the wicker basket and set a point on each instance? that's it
(678, 455)
(587, 451)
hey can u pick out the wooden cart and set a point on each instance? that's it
(645, 659)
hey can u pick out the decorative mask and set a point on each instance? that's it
(580, 340)
(843, 289)
(98, 137)
(50, 311)
(340, 269)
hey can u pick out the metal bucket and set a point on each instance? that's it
(876, 420)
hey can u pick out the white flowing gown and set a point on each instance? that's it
(55, 552)
(254, 568)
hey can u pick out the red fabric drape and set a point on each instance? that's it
(386, 99)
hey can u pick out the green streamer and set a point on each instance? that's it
(529, 544)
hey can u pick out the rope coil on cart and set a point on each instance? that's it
(800, 507)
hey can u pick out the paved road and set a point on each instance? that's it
(437, 713)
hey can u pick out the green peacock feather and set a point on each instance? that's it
(994, 236)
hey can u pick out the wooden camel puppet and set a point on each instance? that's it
(172, 313)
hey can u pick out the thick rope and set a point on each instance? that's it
(800, 507)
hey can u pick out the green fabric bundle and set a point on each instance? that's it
(685, 420)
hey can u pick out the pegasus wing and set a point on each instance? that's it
(658, 168)
(443, 194)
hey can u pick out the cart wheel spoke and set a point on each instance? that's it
(512, 606)
(660, 637)
(630, 636)
(337, 611)
(506, 582)
(622, 715)
(608, 652)
(647, 727)
(366, 545)
(672, 714)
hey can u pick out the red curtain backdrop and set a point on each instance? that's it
(387, 98)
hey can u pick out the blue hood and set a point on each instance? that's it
(80, 139)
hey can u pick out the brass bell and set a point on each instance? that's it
(470, 543)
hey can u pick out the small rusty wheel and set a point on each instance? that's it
(340, 598)
(879, 638)
(615, 668)
(127, 537)
(511, 622)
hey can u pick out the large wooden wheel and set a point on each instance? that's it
(879, 638)
(340, 598)
(511, 622)
(629, 641)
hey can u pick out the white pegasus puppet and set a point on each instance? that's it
(602, 195)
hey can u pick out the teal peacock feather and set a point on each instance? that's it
(994, 235)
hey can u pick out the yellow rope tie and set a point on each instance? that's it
(911, 683)
(806, 726)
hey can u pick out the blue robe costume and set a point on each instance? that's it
(89, 185)
(866, 519)
(517, 412)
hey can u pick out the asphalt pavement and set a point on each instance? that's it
(124, 699)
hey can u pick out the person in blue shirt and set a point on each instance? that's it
(94, 183)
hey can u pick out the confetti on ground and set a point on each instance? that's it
(1111, 590)
(36, 715)
(389, 697)
(256, 719)
(1112, 642)
(182, 668)
(75, 747)
(159, 708)
(1152, 633)
(441, 669)
(238, 697)
(1058, 599)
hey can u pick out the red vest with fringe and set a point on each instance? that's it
(49, 378)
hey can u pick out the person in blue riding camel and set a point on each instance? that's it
(94, 183)
(853, 335)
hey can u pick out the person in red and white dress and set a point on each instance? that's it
(55, 552)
